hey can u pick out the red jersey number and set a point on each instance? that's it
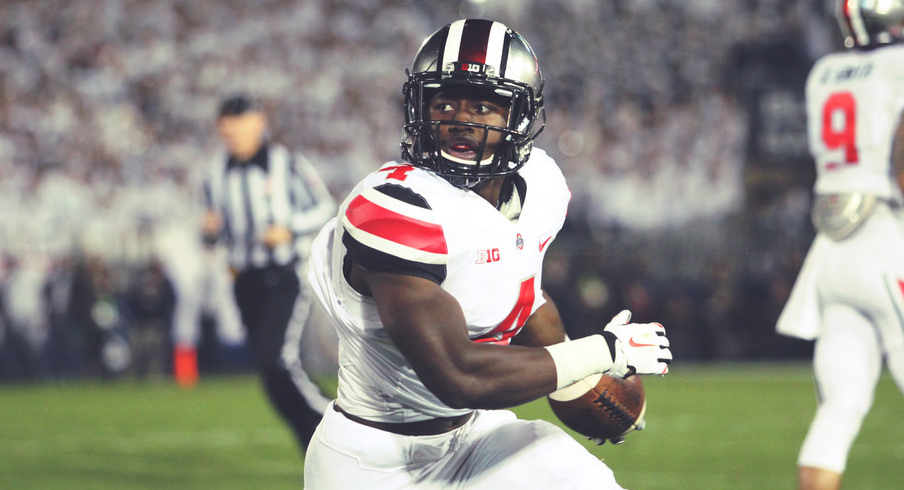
(840, 107)
(399, 172)
(516, 319)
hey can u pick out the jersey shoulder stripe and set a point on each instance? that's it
(396, 221)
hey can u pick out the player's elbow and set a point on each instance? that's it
(464, 391)
(458, 402)
(461, 398)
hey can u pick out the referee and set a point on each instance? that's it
(265, 201)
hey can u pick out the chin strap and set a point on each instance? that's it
(466, 182)
(463, 182)
(483, 163)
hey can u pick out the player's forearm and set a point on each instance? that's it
(432, 335)
(491, 376)
(428, 327)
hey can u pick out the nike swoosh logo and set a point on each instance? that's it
(544, 242)
(633, 343)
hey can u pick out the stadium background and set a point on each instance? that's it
(679, 124)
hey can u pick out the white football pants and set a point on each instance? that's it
(861, 290)
(494, 450)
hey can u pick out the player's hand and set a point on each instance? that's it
(276, 235)
(211, 224)
(640, 348)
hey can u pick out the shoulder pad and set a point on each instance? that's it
(397, 221)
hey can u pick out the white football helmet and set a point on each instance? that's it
(868, 23)
(482, 56)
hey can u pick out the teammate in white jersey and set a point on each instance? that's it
(849, 295)
(432, 275)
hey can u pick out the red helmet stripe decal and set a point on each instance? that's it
(476, 41)
(374, 219)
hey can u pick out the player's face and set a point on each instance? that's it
(463, 141)
(242, 134)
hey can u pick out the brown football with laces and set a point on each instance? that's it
(601, 406)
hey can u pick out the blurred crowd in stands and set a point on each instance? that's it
(654, 106)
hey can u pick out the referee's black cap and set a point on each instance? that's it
(238, 104)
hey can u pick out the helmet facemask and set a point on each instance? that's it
(423, 135)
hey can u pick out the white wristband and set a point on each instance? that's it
(577, 359)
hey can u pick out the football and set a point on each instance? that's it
(601, 406)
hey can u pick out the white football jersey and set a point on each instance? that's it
(406, 219)
(854, 101)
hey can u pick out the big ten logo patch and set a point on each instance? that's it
(487, 256)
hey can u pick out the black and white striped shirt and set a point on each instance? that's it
(275, 187)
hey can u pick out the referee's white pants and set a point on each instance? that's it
(493, 450)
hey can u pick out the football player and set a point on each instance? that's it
(432, 274)
(849, 294)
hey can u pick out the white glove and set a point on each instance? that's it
(640, 348)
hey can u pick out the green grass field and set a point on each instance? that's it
(734, 426)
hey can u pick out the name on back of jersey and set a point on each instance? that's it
(846, 73)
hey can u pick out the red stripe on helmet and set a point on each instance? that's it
(474, 41)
